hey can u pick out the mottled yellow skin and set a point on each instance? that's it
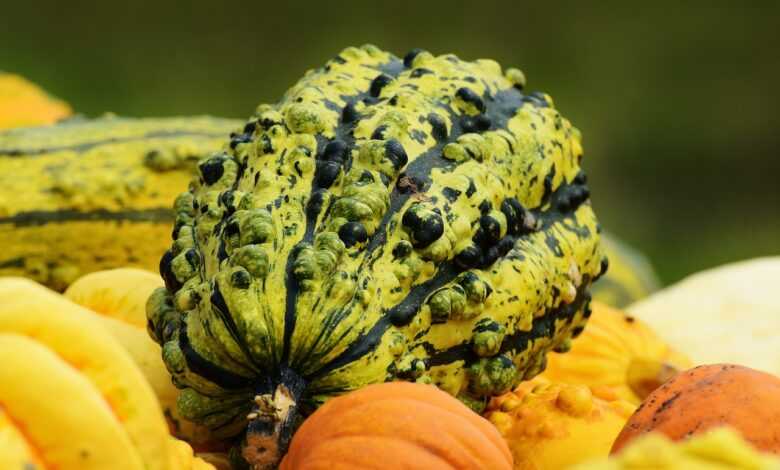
(630, 276)
(720, 449)
(418, 220)
(23, 103)
(553, 425)
(97, 193)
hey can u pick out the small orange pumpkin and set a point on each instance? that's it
(707, 397)
(396, 425)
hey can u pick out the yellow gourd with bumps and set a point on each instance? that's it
(617, 352)
(551, 425)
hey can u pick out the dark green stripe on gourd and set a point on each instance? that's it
(418, 219)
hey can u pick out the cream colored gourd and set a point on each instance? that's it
(730, 314)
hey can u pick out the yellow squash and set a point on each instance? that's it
(186, 459)
(117, 293)
(553, 425)
(78, 338)
(617, 354)
(119, 296)
(16, 450)
(57, 410)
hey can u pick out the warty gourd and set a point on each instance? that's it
(418, 219)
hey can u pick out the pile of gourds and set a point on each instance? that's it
(396, 266)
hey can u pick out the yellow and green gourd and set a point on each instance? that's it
(85, 195)
(417, 219)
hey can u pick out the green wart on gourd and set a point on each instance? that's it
(388, 219)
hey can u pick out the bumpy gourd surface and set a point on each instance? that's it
(85, 195)
(417, 219)
(554, 425)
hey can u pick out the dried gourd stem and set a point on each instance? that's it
(272, 422)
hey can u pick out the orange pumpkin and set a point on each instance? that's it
(396, 425)
(707, 397)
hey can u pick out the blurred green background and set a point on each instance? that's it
(677, 101)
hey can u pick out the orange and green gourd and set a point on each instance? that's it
(421, 219)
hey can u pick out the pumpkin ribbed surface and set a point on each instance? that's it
(421, 219)
(396, 425)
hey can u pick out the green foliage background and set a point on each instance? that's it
(678, 101)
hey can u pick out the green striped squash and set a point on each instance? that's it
(417, 219)
(85, 195)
